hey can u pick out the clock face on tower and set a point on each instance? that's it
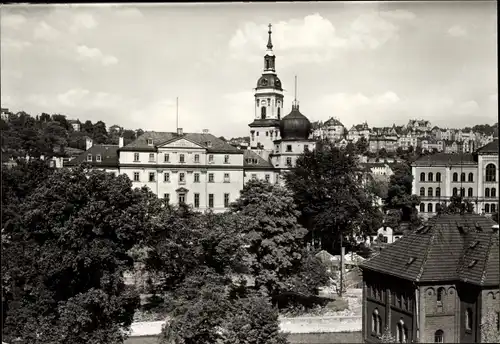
(278, 83)
(263, 82)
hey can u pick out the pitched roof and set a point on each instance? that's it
(445, 159)
(109, 156)
(254, 160)
(437, 251)
(491, 147)
(217, 145)
(333, 122)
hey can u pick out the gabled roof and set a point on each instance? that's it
(255, 161)
(333, 122)
(490, 148)
(216, 144)
(108, 153)
(439, 250)
(445, 159)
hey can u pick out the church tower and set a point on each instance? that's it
(268, 104)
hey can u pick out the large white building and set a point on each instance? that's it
(201, 170)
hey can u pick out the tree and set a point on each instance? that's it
(272, 232)
(399, 195)
(87, 128)
(99, 132)
(362, 145)
(63, 122)
(382, 153)
(328, 191)
(457, 205)
(139, 132)
(387, 336)
(128, 136)
(64, 255)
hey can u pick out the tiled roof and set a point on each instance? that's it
(217, 145)
(333, 122)
(440, 159)
(265, 123)
(109, 156)
(439, 250)
(256, 160)
(491, 147)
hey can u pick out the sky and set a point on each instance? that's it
(382, 63)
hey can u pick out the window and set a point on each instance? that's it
(306, 148)
(150, 142)
(267, 177)
(196, 200)
(438, 208)
(288, 148)
(439, 336)
(402, 332)
(136, 176)
(455, 177)
(210, 200)
(98, 158)
(226, 177)
(136, 157)
(182, 198)
(430, 176)
(197, 158)
(182, 178)
(376, 322)
(498, 320)
(493, 192)
(267, 133)
(429, 208)
(226, 159)
(166, 177)
(257, 133)
(422, 191)
(166, 197)
(209, 143)
(422, 207)
(422, 177)
(211, 158)
(462, 192)
(438, 192)
(289, 161)
(151, 157)
(196, 177)
(279, 113)
(470, 192)
(438, 177)
(487, 208)
(429, 192)
(181, 158)
(471, 177)
(455, 192)
(210, 177)
(151, 176)
(493, 208)
(226, 200)
(89, 157)
(487, 192)
(263, 112)
(440, 294)
(468, 319)
(491, 173)
(462, 177)
(166, 157)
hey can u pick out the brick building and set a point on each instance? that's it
(435, 284)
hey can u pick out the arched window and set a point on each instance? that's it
(493, 208)
(491, 171)
(439, 336)
(429, 208)
(429, 192)
(462, 177)
(422, 177)
(487, 192)
(487, 208)
(438, 208)
(267, 64)
(422, 207)
(470, 192)
(438, 177)
(455, 177)
(263, 112)
(471, 177)
(455, 192)
(468, 319)
(376, 322)
(440, 294)
(462, 192)
(430, 176)
(279, 113)
(493, 192)
(438, 192)
(402, 332)
(422, 191)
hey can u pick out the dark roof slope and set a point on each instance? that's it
(159, 138)
(445, 159)
(109, 156)
(438, 250)
(490, 148)
(254, 160)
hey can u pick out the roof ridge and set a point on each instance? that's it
(487, 258)
(426, 256)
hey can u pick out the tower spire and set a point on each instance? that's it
(295, 104)
(269, 41)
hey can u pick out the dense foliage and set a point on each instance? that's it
(64, 253)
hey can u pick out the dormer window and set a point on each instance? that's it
(150, 142)
(209, 143)
(89, 157)
(98, 158)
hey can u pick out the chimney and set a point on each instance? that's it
(495, 228)
(120, 142)
(179, 131)
(88, 143)
(205, 131)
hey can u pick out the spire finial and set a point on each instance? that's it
(295, 104)
(269, 42)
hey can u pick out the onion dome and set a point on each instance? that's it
(269, 81)
(295, 126)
